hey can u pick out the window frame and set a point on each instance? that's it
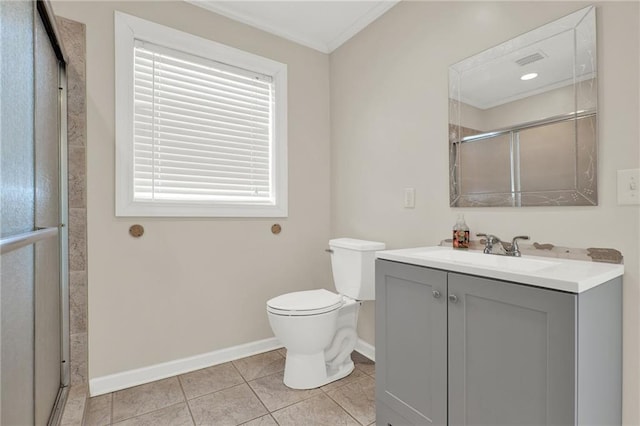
(130, 28)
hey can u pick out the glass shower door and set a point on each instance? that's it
(17, 215)
(30, 245)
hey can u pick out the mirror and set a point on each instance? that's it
(523, 119)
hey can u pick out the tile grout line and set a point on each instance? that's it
(285, 406)
(342, 385)
(348, 383)
(269, 412)
(86, 405)
(256, 395)
(238, 371)
(309, 397)
(252, 391)
(244, 381)
(151, 411)
(373, 375)
(186, 401)
(344, 409)
(86, 410)
(110, 408)
(146, 414)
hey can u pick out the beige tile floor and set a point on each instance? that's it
(247, 391)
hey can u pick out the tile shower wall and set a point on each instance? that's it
(73, 37)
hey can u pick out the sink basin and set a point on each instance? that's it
(515, 264)
(573, 276)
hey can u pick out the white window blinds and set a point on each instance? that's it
(202, 130)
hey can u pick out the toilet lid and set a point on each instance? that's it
(310, 302)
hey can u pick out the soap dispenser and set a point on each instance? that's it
(461, 234)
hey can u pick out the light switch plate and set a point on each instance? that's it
(629, 187)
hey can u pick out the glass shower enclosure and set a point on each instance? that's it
(33, 216)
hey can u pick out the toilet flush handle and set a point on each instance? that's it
(328, 250)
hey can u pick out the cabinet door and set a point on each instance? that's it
(411, 341)
(511, 353)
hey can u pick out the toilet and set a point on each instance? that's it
(318, 327)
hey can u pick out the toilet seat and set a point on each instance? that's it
(304, 303)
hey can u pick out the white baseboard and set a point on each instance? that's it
(366, 349)
(139, 376)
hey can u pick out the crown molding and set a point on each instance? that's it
(358, 25)
(361, 23)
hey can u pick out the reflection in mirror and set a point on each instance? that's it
(522, 119)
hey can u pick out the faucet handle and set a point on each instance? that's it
(489, 242)
(519, 237)
(515, 249)
(490, 237)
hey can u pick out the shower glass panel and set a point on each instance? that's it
(30, 215)
(16, 294)
(16, 130)
(17, 213)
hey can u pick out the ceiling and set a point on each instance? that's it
(320, 25)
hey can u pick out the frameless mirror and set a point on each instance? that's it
(522, 119)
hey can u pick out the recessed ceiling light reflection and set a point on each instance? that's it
(529, 76)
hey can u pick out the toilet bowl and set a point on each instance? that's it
(318, 327)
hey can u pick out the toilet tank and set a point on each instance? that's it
(353, 265)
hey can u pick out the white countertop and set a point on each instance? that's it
(573, 276)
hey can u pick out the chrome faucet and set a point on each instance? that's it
(507, 249)
(489, 242)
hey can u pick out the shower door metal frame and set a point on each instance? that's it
(49, 20)
(65, 377)
(65, 381)
(64, 228)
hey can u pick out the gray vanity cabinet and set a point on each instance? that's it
(511, 353)
(455, 349)
(411, 321)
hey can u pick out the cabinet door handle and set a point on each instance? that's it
(453, 298)
(436, 294)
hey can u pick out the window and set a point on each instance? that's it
(200, 126)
